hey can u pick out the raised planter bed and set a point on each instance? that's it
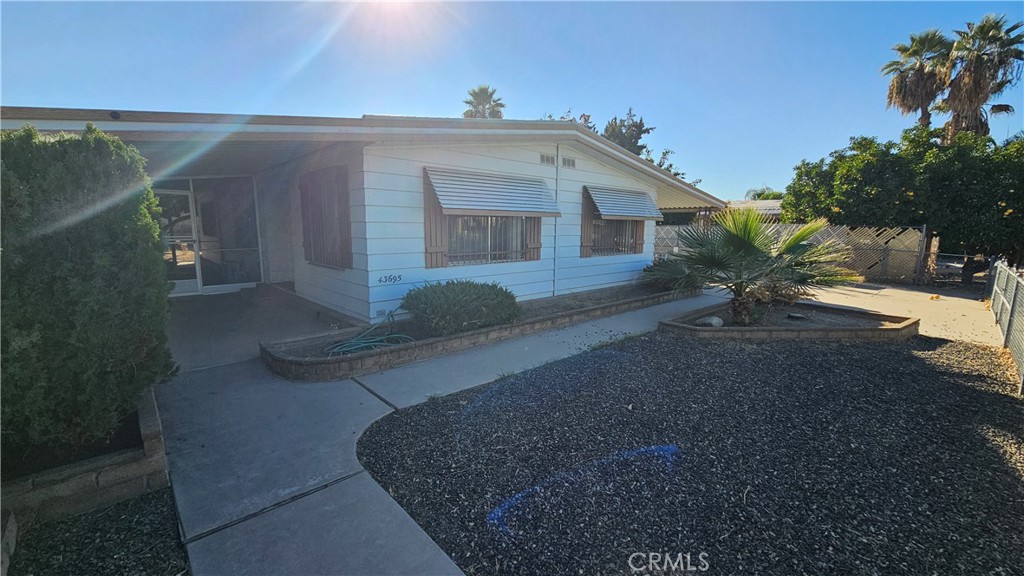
(295, 359)
(99, 481)
(823, 322)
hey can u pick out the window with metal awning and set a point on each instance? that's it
(475, 194)
(613, 221)
(480, 218)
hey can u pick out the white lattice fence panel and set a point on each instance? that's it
(878, 253)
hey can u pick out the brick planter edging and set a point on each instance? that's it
(902, 329)
(83, 486)
(321, 368)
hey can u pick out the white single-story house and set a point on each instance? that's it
(770, 209)
(351, 213)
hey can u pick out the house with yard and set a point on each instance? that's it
(770, 209)
(351, 213)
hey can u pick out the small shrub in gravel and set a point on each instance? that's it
(137, 536)
(460, 305)
(770, 458)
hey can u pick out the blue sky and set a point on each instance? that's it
(741, 91)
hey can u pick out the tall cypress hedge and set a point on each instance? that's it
(84, 293)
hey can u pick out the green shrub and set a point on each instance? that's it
(459, 305)
(84, 290)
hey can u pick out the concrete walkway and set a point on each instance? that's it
(220, 329)
(265, 474)
(953, 315)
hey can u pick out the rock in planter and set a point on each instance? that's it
(709, 322)
(796, 316)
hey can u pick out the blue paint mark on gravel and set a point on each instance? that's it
(666, 454)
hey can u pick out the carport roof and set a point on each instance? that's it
(291, 136)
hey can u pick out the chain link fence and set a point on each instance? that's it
(1007, 302)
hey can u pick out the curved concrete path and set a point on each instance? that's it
(264, 470)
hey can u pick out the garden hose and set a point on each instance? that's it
(363, 341)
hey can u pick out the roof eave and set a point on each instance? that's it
(173, 125)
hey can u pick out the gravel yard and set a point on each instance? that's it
(137, 536)
(770, 458)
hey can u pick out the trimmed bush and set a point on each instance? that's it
(84, 289)
(460, 305)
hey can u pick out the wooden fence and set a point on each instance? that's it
(898, 254)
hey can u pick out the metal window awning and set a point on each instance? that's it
(473, 193)
(623, 204)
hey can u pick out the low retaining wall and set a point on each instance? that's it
(902, 327)
(96, 482)
(321, 368)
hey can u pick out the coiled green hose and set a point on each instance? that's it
(363, 341)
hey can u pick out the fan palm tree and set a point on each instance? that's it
(988, 58)
(483, 104)
(919, 75)
(757, 261)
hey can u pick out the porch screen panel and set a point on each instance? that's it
(228, 235)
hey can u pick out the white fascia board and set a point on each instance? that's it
(220, 128)
(654, 172)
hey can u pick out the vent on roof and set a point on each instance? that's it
(568, 162)
(548, 159)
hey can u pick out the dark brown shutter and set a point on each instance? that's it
(338, 183)
(435, 225)
(326, 217)
(306, 197)
(587, 228)
(533, 238)
(638, 242)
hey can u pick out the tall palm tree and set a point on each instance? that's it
(757, 261)
(483, 104)
(988, 58)
(919, 75)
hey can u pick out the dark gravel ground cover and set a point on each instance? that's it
(134, 537)
(771, 458)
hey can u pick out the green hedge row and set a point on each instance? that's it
(84, 290)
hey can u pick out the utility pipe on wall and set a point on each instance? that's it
(554, 255)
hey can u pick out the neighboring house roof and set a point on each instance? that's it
(768, 207)
(280, 134)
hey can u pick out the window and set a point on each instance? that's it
(481, 218)
(617, 237)
(326, 217)
(613, 221)
(483, 239)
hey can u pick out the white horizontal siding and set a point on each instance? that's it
(577, 274)
(394, 187)
(344, 290)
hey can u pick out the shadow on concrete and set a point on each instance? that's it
(214, 330)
